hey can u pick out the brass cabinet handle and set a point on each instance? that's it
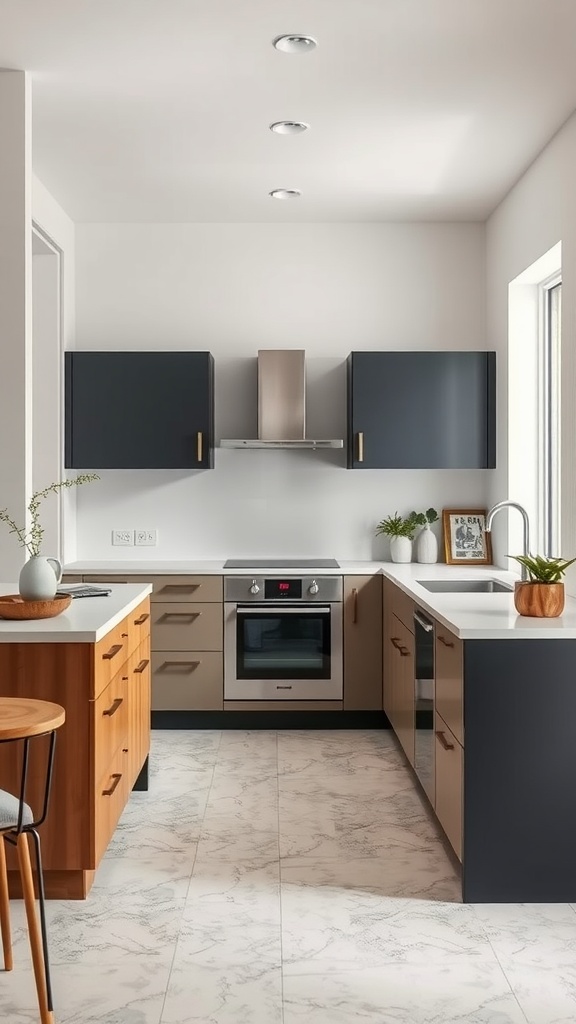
(116, 776)
(354, 606)
(199, 446)
(142, 619)
(441, 736)
(113, 707)
(142, 665)
(360, 446)
(114, 650)
(447, 643)
(180, 615)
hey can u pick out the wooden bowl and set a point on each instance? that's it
(12, 606)
(539, 600)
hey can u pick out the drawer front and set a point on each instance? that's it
(110, 653)
(449, 680)
(110, 719)
(186, 588)
(110, 795)
(138, 740)
(187, 627)
(401, 605)
(187, 681)
(139, 624)
(449, 771)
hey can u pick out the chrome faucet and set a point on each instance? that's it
(526, 529)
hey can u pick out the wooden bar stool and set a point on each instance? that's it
(21, 720)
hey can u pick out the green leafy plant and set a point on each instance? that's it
(397, 526)
(32, 539)
(543, 570)
(421, 518)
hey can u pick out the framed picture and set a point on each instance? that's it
(465, 539)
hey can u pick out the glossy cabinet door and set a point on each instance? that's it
(139, 410)
(421, 410)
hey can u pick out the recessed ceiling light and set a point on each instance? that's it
(289, 127)
(295, 44)
(285, 193)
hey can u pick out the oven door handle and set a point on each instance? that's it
(283, 610)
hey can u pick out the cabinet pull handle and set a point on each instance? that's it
(354, 606)
(185, 587)
(395, 641)
(444, 741)
(124, 636)
(113, 707)
(142, 619)
(447, 643)
(180, 615)
(142, 665)
(404, 652)
(180, 667)
(199, 446)
(116, 776)
(114, 650)
(360, 446)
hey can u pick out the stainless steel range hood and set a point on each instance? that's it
(281, 404)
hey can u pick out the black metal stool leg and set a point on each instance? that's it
(42, 905)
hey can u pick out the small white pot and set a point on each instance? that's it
(39, 578)
(400, 549)
(427, 546)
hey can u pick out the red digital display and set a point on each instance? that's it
(283, 586)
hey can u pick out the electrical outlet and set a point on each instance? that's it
(146, 538)
(122, 537)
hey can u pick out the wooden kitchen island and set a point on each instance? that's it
(94, 660)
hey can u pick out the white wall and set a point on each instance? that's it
(538, 213)
(232, 289)
(15, 314)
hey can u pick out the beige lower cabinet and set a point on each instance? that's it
(362, 643)
(403, 687)
(186, 632)
(449, 756)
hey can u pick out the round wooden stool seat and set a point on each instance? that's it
(21, 717)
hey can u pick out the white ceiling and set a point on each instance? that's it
(158, 110)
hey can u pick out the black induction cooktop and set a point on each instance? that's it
(281, 563)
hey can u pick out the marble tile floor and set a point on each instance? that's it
(279, 878)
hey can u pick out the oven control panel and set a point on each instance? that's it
(261, 589)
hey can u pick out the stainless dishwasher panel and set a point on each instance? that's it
(424, 696)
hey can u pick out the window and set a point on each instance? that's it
(549, 405)
(534, 469)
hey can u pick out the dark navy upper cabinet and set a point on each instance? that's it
(139, 410)
(421, 410)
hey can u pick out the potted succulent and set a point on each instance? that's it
(426, 545)
(40, 575)
(542, 595)
(400, 530)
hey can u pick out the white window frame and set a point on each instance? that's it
(549, 341)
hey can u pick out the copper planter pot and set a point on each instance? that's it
(539, 600)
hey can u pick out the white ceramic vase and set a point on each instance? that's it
(400, 549)
(427, 546)
(39, 578)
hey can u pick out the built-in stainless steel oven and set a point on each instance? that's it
(283, 637)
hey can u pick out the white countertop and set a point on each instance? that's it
(85, 621)
(469, 616)
(478, 616)
(203, 568)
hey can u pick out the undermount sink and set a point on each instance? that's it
(466, 586)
